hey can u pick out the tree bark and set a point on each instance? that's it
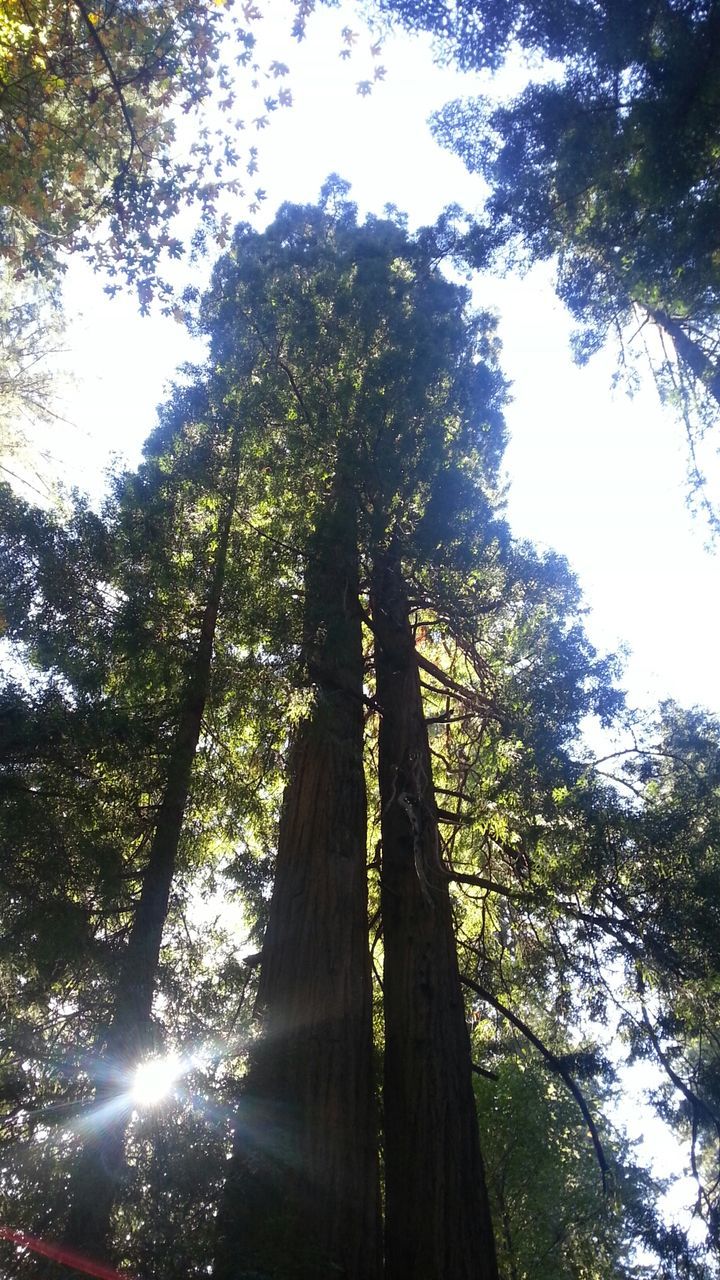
(437, 1219)
(302, 1197)
(96, 1179)
(689, 352)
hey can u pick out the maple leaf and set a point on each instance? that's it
(348, 35)
(260, 122)
(364, 87)
(251, 13)
(376, 48)
(380, 73)
(285, 98)
(278, 69)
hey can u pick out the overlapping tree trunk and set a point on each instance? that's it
(302, 1196)
(96, 1178)
(437, 1217)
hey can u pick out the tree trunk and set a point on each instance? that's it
(96, 1178)
(437, 1219)
(689, 352)
(302, 1197)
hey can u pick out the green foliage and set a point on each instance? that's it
(94, 102)
(585, 905)
(606, 162)
(553, 1218)
(30, 335)
(107, 609)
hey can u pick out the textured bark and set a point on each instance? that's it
(302, 1196)
(437, 1220)
(96, 1178)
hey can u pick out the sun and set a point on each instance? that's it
(154, 1079)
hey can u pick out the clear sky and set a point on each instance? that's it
(593, 474)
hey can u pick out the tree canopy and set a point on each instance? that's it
(299, 661)
(605, 162)
(96, 104)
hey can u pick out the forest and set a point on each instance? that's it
(343, 888)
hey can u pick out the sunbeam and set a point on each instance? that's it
(155, 1078)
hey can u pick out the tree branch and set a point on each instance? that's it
(554, 1062)
(483, 1071)
(95, 38)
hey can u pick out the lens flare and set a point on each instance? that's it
(154, 1079)
(58, 1253)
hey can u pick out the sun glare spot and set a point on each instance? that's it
(154, 1079)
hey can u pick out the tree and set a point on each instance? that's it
(157, 592)
(92, 99)
(437, 1215)
(303, 1194)
(607, 162)
(373, 601)
(93, 1187)
(30, 338)
(393, 369)
(378, 364)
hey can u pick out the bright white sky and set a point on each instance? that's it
(594, 475)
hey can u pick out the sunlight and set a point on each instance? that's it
(154, 1079)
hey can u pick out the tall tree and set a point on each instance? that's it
(302, 1196)
(437, 1218)
(94, 1182)
(112, 613)
(606, 162)
(383, 367)
(510, 877)
(169, 540)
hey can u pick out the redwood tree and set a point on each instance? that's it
(437, 1218)
(302, 1196)
(377, 362)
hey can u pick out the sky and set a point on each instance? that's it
(593, 474)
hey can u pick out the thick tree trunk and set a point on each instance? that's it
(689, 352)
(437, 1220)
(95, 1180)
(302, 1196)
